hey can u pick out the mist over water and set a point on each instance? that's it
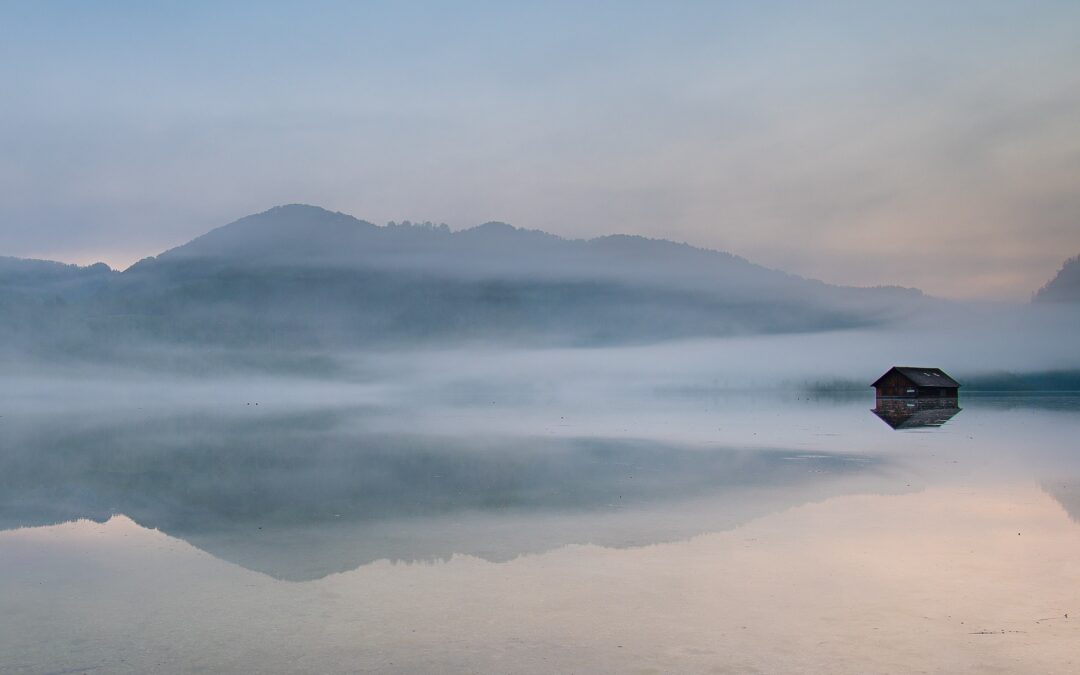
(316, 523)
(396, 460)
(299, 441)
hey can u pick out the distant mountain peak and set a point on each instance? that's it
(495, 226)
(303, 235)
(1064, 287)
(280, 232)
(496, 229)
(299, 276)
(299, 215)
(297, 209)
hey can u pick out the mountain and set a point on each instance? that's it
(38, 297)
(1065, 286)
(300, 277)
(300, 235)
(23, 280)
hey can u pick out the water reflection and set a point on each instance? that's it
(302, 495)
(738, 535)
(933, 581)
(913, 413)
(1066, 492)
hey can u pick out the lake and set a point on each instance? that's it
(250, 526)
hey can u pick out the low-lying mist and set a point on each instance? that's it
(981, 346)
(298, 293)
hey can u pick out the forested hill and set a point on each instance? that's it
(302, 277)
(1065, 286)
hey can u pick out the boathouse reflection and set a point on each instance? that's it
(912, 413)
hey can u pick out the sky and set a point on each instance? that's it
(926, 144)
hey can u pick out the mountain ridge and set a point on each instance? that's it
(1064, 286)
(354, 240)
(299, 277)
(246, 234)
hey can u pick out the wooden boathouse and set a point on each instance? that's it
(910, 382)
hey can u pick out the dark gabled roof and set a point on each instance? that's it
(922, 377)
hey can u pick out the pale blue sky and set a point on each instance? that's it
(926, 144)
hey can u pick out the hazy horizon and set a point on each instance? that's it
(488, 337)
(914, 144)
(126, 262)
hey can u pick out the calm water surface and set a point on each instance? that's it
(684, 531)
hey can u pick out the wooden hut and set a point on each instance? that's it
(909, 382)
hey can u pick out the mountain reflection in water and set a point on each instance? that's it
(302, 495)
(741, 533)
